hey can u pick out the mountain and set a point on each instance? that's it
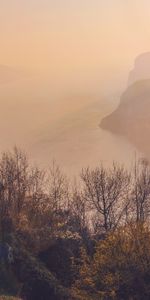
(132, 117)
(141, 69)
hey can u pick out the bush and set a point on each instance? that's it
(120, 268)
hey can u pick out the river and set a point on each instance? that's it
(59, 126)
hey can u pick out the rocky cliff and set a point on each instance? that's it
(132, 117)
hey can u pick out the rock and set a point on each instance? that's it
(132, 117)
(141, 68)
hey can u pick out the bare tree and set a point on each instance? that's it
(78, 210)
(58, 188)
(140, 193)
(14, 179)
(22, 187)
(36, 199)
(105, 190)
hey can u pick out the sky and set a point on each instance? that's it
(76, 52)
(71, 36)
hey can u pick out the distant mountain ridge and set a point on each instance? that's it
(132, 117)
(141, 69)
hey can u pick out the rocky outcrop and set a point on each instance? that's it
(141, 69)
(132, 117)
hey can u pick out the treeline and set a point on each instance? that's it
(89, 239)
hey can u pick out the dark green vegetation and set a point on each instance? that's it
(82, 241)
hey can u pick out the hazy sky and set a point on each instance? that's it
(79, 47)
(74, 35)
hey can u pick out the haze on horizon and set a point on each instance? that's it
(96, 40)
(66, 59)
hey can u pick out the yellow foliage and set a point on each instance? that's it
(121, 262)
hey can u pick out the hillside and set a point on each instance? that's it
(141, 68)
(132, 117)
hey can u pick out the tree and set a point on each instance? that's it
(58, 188)
(78, 212)
(106, 192)
(119, 268)
(140, 192)
(14, 184)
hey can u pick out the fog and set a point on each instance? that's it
(59, 120)
(63, 66)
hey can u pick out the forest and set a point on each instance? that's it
(74, 239)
